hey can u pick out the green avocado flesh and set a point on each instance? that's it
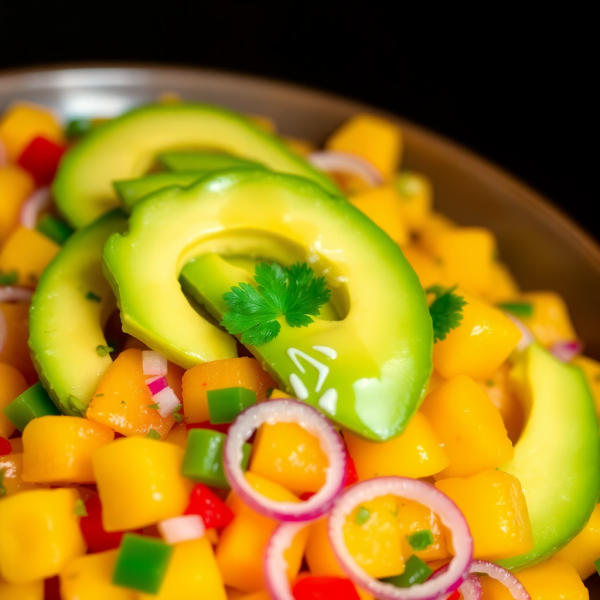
(127, 147)
(557, 458)
(382, 343)
(70, 306)
(203, 161)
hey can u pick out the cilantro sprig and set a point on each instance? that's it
(293, 293)
(446, 310)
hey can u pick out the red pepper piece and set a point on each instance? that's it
(222, 428)
(324, 588)
(456, 595)
(307, 495)
(214, 512)
(5, 446)
(351, 475)
(52, 588)
(97, 539)
(41, 158)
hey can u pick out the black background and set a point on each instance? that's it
(514, 87)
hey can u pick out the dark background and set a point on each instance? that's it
(514, 87)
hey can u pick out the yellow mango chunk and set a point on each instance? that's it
(550, 321)
(383, 206)
(60, 448)
(89, 577)
(16, 185)
(482, 342)
(144, 471)
(279, 394)
(495, 509)
(289, 455)
(219, 374)
(554, 579)
(417, 196)
(504, 287)
(417, 452)
(584, 549)
(40, 534)
(591, 370)
(469, 426)
(12, 480)
(427, 270)
(23, 122)
(22, 591)
(375, 139)
(12, 384)
(16, 350)
(27, 252)
(243, 542)
(177, 435)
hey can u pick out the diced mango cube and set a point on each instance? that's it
(193, 573)
(122, 400)
(591, 370)
(289, 455)
(16, 350)
(23, 122)
(22, 591)
(12, 468)
(27, 253)
(481, 343)
(40, 534)
(89, 577)
(375, 139)
(495, 509)
(469, 426)
(417, 452)
(427, 270)
(416, 193)
(177, 435)
(383, 206)
(230, 372)
(554, 579)
(504, 287)
(60, 448)
(12, 384)
(16, 185)
(144, 471)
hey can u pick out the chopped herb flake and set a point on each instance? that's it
(154, 406)
(446, 310)
(104, 350)
(99, 395)
(177, 415)
(93, 297)
(154, 435)
(490, 383)
(9, 278)
(270, 392)
(519, 309)
(420, 540)
(2, 488)
(362, 515)
(80, 510)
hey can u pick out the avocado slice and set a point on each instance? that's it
(203, 161)
(383, 341)
(127, 147)
(557, 458)
(69, 309)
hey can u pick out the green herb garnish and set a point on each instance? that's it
(154, 406)
(420, 540)
(2, 488)
(104, 350)
(446, 310)
(153, 435)
(177, 415)
(519, 309)
(93, 297)
(362, 515)
(80, 510)
(293, 293)
(8, 278)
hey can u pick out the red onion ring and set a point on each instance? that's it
(32, 207)
(3, 330)
(332, 161)
(506, 578)
(15, 294)
(286, 411)
(567, 350)
(471, 588)
(426, 494)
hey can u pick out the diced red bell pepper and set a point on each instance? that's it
(41, 158)
(455, 595)
(5, 446)
(306, 496)
(351, 474)
(222, 428)
(52, 588)
(97, 539)
(324, 588)
(214, 512)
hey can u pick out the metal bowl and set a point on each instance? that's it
(544, 248)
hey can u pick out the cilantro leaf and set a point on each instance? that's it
(293, 293)
(446, 310)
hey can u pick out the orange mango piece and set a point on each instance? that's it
(469, 426)
(16, 185)
(177, 435)
(12, 467)
(243, 542)
(16, 350)
(12, 384)
(591, 370)
(22, 591)
(230, 372)
(383, 206)
(416, 193)
(554, 579)
(122, 399)
(417, 452)
(504, 287)
(495, 509)
(289, 455)
(27, 253)
(481, 343)
(427, 270)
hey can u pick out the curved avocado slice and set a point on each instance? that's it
(557, 458)
(203, 161)
(367, 371)
(68, 311)
(127, 146)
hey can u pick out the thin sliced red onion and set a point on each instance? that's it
(3, 330)
(506, 578)
(163, 395)
(567, 350)
(332, 161)
(286, 411)
(15, 294)
(527, 337)
(38, 201)
(419, 491)
(157, 384)
(471, 588)
(154, 363)
(3, 155)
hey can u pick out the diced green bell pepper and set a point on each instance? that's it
(415, 571)
(31, 404)
(55, 229)
(226, 404)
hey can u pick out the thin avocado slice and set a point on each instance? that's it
(127, 147)
(557, 458)
(203, 161)
(69, 309)
(379, 359)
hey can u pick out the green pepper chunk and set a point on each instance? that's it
(78, 127)
(55, 229)
(415, 571)
(203, 459)
(226, 404)
(519, 309)
(420, 540)
(142, 563)
(31, 404)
